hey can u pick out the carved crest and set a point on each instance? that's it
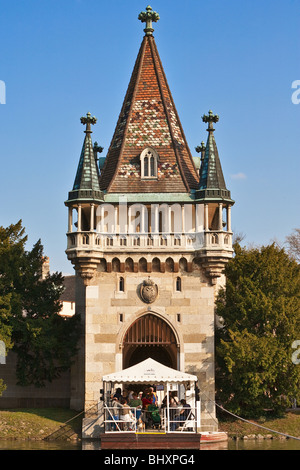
(148, 291)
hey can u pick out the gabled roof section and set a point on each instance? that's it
(212, 183)
(86, 185)
(148, 119)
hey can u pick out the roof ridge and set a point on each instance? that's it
(138, 65)
(166, 108)
(177, 117)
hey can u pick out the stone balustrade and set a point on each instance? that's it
(91, 240)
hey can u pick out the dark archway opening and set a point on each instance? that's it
(140, 353)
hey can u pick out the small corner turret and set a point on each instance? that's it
(214, 195)
(83, 200)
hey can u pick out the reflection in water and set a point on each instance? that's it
(39, 445)
(264, 444)
(255, 444)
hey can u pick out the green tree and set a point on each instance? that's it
(44, 341)
(260, 312)
(12, 242)
(5, 330)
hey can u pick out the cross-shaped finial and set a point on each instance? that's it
(97, 149)
(147, 17)
(88, 120)
(210, 118)
(201, 149)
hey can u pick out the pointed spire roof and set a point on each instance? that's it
(212, 183)
(148, 119)
(86, 185)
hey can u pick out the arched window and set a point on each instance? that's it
(149, 159)
(146, 167)
(183, 265)
(102, 267)
(129, 265)
(115, 264)
(121, 284)
(156, 265)
(143, 265)
(152, 166)
(169, 265)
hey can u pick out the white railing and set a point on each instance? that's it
(181, 419)
(138, 421)
(149, 241)
(114, 420)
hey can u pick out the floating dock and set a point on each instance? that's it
(160, 440)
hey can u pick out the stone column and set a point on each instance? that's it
(220, 216)
(79, 219)
(70, 220)
(92, 219)
(129, 221)
(142, 213)
(183, 219)
(205, 216)
(228, 218)
(102, 220)
(169, 220)
(116, 220)
(156, 219)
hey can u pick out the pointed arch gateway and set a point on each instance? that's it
(150, 336)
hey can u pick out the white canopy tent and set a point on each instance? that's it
(150, 371)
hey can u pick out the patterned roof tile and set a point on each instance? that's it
(148, 119)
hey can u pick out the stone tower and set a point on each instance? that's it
(148, 236)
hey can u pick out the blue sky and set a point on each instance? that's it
(61, 59)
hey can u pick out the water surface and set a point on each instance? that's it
(255, 444)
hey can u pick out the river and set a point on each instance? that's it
(255, 444)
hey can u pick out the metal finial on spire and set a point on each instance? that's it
(200, 148)
(97, 149)
(210, 118)
(147, 17)
(88, 120)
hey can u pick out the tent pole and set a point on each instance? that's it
(168, 407)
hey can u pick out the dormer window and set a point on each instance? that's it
(149, 159)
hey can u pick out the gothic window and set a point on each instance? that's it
(169, 265)
(129, 266)
(146, 167)
(121, 284)
(149, 159)
(115, 264)
(102, 267)
(214, 239)
(85, 240)
(143, 265)
(183, 265)
(156, 265)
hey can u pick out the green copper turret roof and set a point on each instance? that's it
(86, 185)
(212, 183)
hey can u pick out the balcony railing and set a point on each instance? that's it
(149, 241)
(138, 421)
